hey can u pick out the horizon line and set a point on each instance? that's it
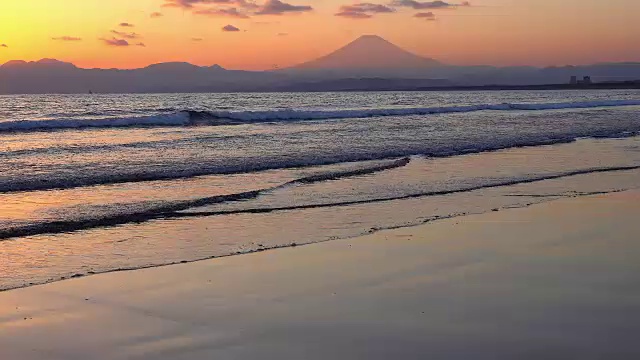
(443, 65)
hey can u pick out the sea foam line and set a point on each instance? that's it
(217, 118)
(283, 115)
(172, 209)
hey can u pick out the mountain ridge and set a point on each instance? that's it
(340, 70)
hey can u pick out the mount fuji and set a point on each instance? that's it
(370, 52)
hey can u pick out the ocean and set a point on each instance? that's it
(98, 183)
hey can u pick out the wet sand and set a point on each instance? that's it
(557, 280)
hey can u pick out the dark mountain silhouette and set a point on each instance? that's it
(370, 52)
(368, 63)
(52, 76)
(40, 64)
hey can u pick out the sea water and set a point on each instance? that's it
(95, 183)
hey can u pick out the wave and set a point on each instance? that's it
(284, 115)
(173, 119)
(506, 182)
(218, 118)
(142, 212)
(11, 185)
(350, 173)
(173, 210)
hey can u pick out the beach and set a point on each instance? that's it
(555, 280)
(373, 225)
(300, 180)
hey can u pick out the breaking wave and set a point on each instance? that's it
(216, 118)
(174, 209)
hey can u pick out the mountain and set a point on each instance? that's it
(40, 64)
(370, 52)
(368, 63)
(53, 76)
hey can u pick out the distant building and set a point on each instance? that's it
(585, 80)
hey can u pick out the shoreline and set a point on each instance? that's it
(47, 258)
(543, 281)
(293, 245)
(320, 87)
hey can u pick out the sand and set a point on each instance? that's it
(558, 280)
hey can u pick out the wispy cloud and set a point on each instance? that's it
(66, 38)
(230, 12)
(126, 35)
(197, 39)
(4, 45)
(434, 5)
(277, 7)
(429, 16)
(353, 15)
(126, 24)
(116, 42)
(230, 28)
(363, 10)
(184, 3)
(189, 4)
(156, 15)
(241, 9)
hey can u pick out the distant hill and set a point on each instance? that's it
(370, 52)
(40, 64)
(53, 76)
(368, 63)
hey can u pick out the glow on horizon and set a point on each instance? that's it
(495, 32)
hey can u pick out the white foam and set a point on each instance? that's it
(185, 118)
(174, 119)
(279, 115)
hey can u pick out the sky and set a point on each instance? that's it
(265, 34)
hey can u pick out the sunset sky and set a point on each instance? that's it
(241, 34)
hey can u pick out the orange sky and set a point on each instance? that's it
(498, 32)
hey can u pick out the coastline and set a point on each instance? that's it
(553, 280)
(320, 87)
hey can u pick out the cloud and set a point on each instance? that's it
(125, 24)
(183, 3)
(196, 39)
(230, 12)
(277, 7)
(354, 15)
(66, 38)
(125, 35)
(241, 9)
(230, 28)
(363, 10)
(245, 4)
(156, 15)
(121, 42)
(418, 5)
(190, 4)
(4, 45)
(116, 42)
(429, 16)
(283, 34)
